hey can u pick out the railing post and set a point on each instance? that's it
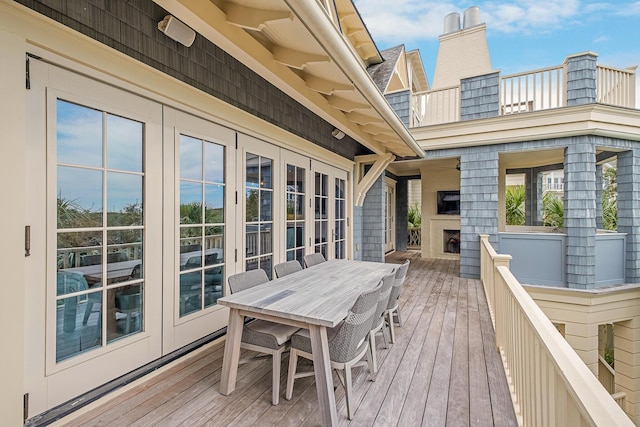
(581, 78)
(499, 260)
(632, 86)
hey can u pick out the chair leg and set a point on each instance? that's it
(385, 334)
(398, 316)
(390, 322)
(275, 384)
(347, 389)
(372, 349)
(293, 362)
(373, 373)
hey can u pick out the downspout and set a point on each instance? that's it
(321, 27)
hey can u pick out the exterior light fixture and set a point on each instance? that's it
(177, 30)
(337, 133)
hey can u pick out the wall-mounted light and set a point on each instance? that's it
(458, 166)
(177, 30)
(337, 133)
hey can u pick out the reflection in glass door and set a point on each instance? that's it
(258, 213)
(295, 209)
(321, 217)
(100, 228)
(202, 224)
(389, 209)
(340, 220)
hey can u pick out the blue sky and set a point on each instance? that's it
(522, 35)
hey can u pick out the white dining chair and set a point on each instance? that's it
(348, 345)
(262, 336)
(393, 308)
(287, 267)
(379, 321)
(313, 259)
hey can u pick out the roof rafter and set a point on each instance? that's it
(295, 58)
(253, 18)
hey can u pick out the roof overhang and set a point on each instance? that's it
(314, 51)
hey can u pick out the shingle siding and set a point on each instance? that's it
(373, 222)
(580, 212)
(581, 79)
(478, 206)
(629, 209)
(131, 28)
(401, 104)
(479, 97)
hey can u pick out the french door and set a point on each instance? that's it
(138, 214)
(329, 202)
(389, 214)
(199, 217)
(93, 280)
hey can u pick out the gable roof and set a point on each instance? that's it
(381, 73)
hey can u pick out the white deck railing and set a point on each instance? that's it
(549, 383)
(441, 106)
(616, 86)
(528, 91)
(532, 90)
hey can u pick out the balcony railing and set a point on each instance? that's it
(441, 106)
(531, 91)
(528, 91)
(414, 238)
(550, 384)
(616, 86)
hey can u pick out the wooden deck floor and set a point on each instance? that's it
(443, 370)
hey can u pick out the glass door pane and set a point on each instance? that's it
(295, 210)
(340, 220)
(258, 212)
(100, 228)
(202, 224)
(321, 217)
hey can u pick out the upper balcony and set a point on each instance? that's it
(541, 89)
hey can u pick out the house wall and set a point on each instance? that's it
(12, 253)
(131, 28)
(437, 176)
(401, 103)
(481, 204)
(373, 223)
(283, 122)
(461, 54)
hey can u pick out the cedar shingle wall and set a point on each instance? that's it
(131, 28)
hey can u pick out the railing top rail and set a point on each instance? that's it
(442, 89)
(539, 70)
(606, 365)
(630, 70)
(594, 402)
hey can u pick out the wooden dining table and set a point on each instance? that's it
(315, 298)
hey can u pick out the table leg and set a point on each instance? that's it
(324, 379)
(231, 352)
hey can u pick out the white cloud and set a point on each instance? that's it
(412, 20)
(405, 21)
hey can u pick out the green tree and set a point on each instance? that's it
(552, 210)
(515, 197)
(414, 216)
(610, 196)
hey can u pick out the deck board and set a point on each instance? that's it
(443, 370)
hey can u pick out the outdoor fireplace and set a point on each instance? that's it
(451, 241)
